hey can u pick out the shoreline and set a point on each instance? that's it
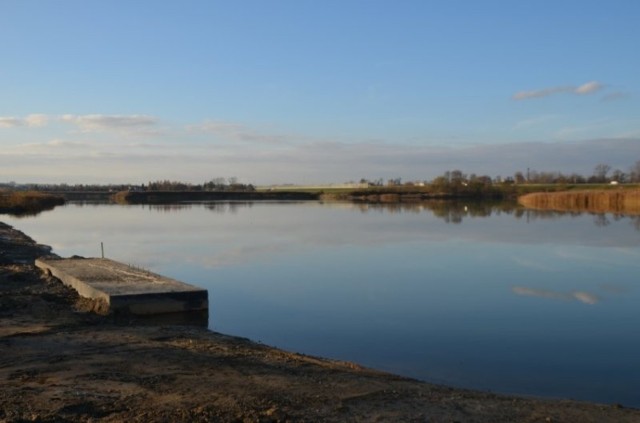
(62, 360)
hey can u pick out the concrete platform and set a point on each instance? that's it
(126, 288)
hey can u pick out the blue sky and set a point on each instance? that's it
(315, 91)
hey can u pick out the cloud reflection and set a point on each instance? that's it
(532, 264)
(583, 297)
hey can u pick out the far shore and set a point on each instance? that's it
(568, 197)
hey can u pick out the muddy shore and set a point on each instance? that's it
(61, 360)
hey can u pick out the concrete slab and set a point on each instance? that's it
(124, 287)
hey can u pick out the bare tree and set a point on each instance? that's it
(600, 172)
(634, 172)
(519, 178)
(618, 176)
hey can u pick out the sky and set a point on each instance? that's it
(308, 92)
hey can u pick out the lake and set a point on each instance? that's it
(471, 296)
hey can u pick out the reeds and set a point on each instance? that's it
(624, 201)
(27, 202)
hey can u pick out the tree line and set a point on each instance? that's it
(451, 181)
(602, 174)
(215, 184)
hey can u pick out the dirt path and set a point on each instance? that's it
(61, 362)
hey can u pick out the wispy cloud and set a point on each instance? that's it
(323, 162)
(545, 92)
(587, 88)
(87, 123)
(264, 155)
(596, 127)
(527, 123)
(99, 122)
(33, 120)
(9, 122)
(615, 96)
(55, 149)
(36, 120)
(231, 131)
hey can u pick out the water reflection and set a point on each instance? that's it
(449, 211)
(168, 208)
(216, 207)
(456, 211)
(503, 299)
(26, 214)
(581, 296)
(230, 207)
(453, 212)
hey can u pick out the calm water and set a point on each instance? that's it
(542, 304)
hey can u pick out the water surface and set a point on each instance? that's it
(502, 300)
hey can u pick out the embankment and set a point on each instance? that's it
(168, 197)
(388, 195)
(623, 201)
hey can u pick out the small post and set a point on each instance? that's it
(102, 248)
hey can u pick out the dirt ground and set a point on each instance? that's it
(62, 361)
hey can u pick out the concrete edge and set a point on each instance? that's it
(81, 287)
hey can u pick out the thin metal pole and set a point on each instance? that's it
(102, 248)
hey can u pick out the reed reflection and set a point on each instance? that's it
(455, 212)
(449, 211)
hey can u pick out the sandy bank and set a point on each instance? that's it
(61, 362)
